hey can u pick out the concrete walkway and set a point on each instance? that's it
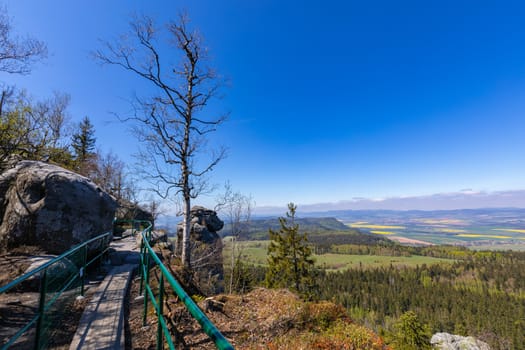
(102, 323)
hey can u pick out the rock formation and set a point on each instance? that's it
(130, 211)
(446, 341)
(47, 206)
(206, 249)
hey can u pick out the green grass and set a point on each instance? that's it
(338, 262)
(254, 252)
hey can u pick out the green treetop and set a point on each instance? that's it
(83, 144)
(290, 263)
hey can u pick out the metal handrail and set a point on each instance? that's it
(44, 305)
(133, 223)
(162, 330)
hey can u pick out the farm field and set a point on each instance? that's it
(471, 236)
(254, 252)
(488, 228)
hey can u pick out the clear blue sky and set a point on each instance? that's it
(329, 100)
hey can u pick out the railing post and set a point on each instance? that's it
(83, 270)
(146, 286)
(142, 264)
(41, 309)
(160, 338)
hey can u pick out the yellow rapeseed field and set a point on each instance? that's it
(378, 227)
(451, 230)
(383, 232)
(509, 230)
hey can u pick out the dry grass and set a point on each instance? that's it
(263, 319)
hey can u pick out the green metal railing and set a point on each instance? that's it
(124, 228)
(149, 258)
(60, 279)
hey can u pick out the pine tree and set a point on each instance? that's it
(83, 143)
(290, 263)
(411, 333)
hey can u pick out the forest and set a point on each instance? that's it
(480, 294)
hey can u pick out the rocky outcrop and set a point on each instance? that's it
(446, 341)
(47, 206)
(130, 211)
(206, 249)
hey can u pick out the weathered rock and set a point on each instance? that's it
(446, 341)
(51, 207)
(206, 249)
(130, 211)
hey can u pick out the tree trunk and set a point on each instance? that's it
(186, 247)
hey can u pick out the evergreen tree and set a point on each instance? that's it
(290, 263)
(411, 334)
(83, 143)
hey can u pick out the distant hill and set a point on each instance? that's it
(321, 230)
(485, 216)
(310, 225)
(260, 226)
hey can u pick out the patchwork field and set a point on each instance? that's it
(423, 231)
(494, 228)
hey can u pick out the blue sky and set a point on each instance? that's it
(329, 100)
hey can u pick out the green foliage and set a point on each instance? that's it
(482, 295)
(83, 144)
(14, 130)
(410, 333)
(290, 263)
(245, 276)
(33, 130)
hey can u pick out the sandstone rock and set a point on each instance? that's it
(51, 207)
(206, 249)
(446, 341)
(130, 211)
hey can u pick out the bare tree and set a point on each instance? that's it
(50, 122)
(155, 208)
(169, 122)
(109, 174)
(237, 209)
(33, 130)
(17, 55)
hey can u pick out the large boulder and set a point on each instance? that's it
(446, 341)
(47, 206)
(206, 249)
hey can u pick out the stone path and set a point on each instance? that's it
(102, 323)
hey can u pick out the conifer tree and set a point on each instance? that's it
(411, 333)
(83, 143)
(290, 263)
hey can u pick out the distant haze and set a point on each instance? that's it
(441, 201)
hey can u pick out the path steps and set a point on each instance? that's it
(102, 323)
